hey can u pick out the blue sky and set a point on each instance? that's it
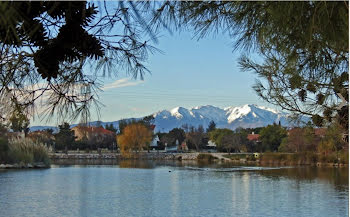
(188, 73)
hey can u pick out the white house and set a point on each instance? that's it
(154, 142)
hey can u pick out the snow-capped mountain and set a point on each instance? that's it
(247, 116)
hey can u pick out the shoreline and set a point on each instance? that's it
(193, 157)
(162, 156)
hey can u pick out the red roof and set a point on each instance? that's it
(99, 130)
(253, 137)
(320, 132)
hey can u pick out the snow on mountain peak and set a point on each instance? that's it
(237, 112)
(267, 109)
(246, 116)
(175, 112)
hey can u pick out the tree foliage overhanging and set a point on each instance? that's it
(301, 48)
(48, 47)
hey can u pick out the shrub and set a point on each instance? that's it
(3, 149)
(205, 157)
(344, 157)
(27, 151)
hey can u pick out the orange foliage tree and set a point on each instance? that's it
(135, 137)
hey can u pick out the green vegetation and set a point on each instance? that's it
(19, 121)
(25, 151)
(205, 157)
(271, 137)
(228, 140)
(65, 137)
(211, 126)
(303, 158)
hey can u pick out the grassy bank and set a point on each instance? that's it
(24, 152)
(304, 158)
(205, 157)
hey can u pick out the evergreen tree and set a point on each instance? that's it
(19, 121)
(271, 137)
(46, 48)
(110, 127)
(211, 126)
(65, 137)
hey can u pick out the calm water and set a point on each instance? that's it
(149, 189)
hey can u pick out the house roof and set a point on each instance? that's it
(99, 130)
(253, 137)
(320, 131)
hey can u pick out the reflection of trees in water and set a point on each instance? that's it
(137, 164)
(337, 176)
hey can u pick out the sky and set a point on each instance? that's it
(187, 73)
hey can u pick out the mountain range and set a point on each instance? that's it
(246, 116)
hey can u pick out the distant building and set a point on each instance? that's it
(82, 132)
(183, 146)
(253, 137)
(320, 132)
(154, 143)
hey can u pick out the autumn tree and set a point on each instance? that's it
(135, 137)
(333, 140)
(300, 140)
(195, 137)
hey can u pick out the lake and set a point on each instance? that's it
(134, 188)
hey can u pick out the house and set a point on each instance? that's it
(183, 146)
(154, 143)
(171, 148)
(253, 137)
(95, 137)
(88, 132)
(320, 132)
(211, 147)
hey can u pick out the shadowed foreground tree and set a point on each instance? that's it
(53, 53)
(135, 137)
(4, 147)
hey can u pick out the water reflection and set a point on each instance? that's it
(174, 188)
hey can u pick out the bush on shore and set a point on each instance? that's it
(205, 157)
(26, 151)
(304, 158)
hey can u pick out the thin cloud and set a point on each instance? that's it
(124, 82)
